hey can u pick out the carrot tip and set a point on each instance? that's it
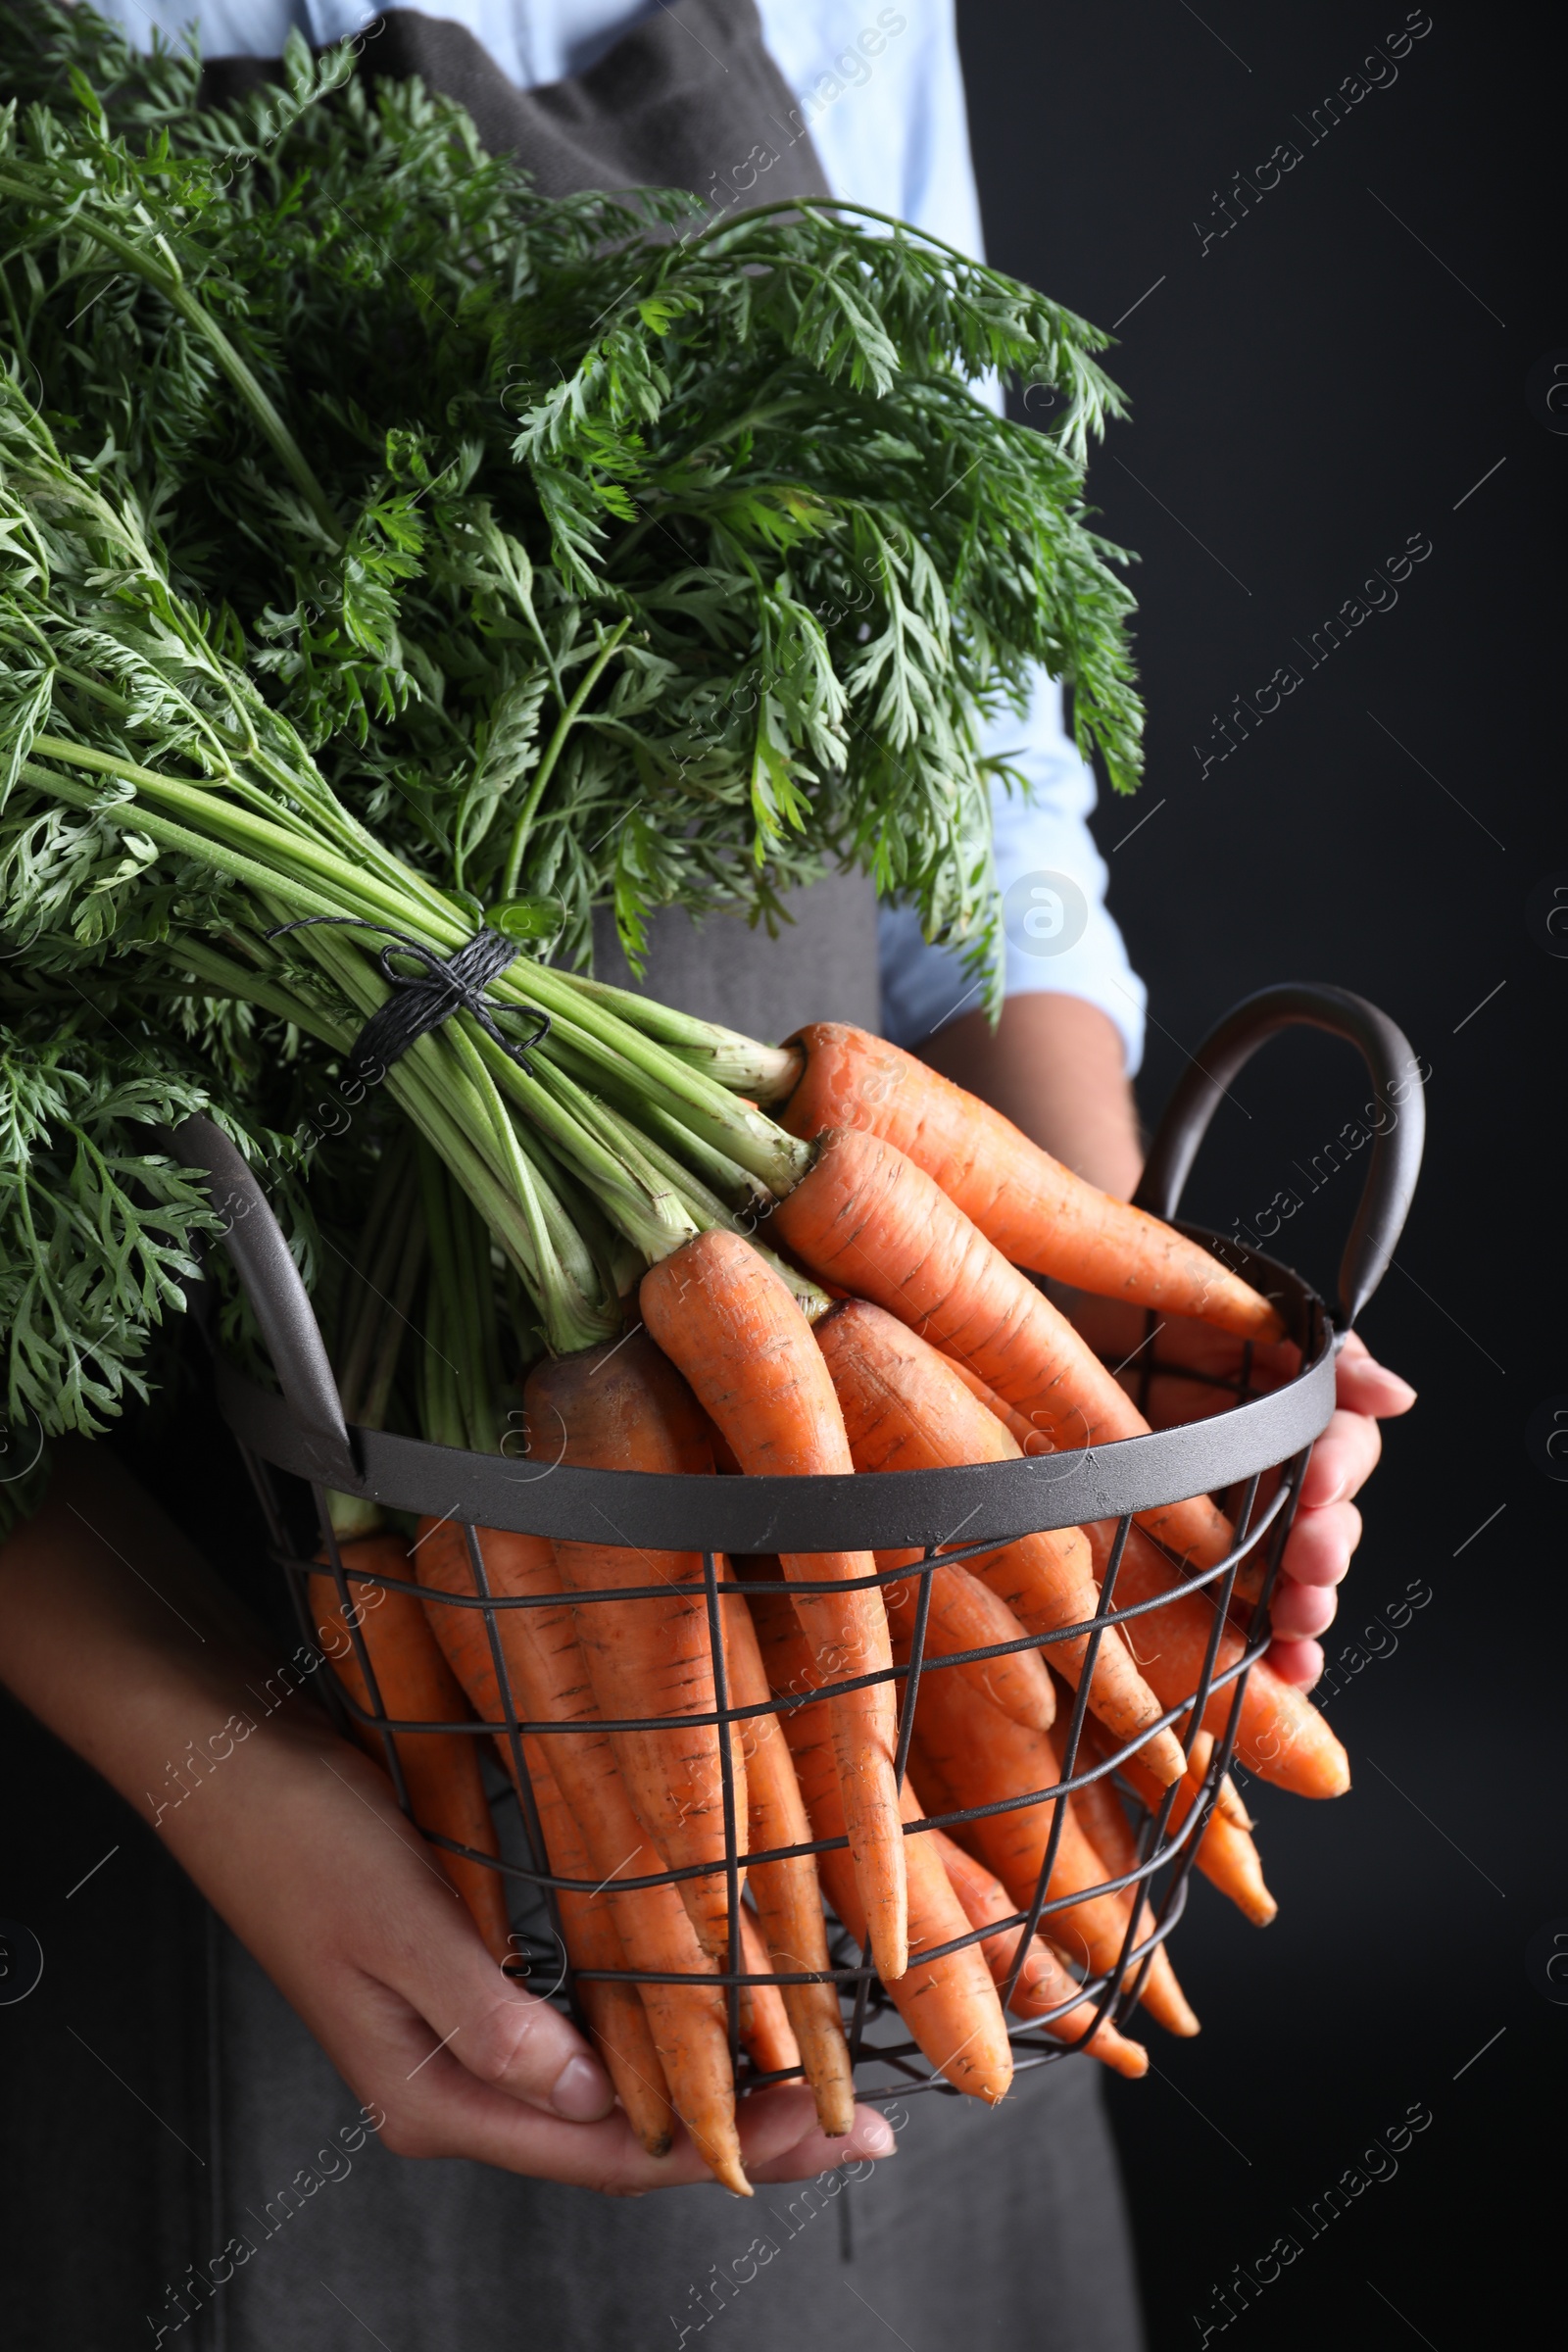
(1164, 1759)
(892, 1958)
(725, 2164)
(1178, 2019)
(1128, 2059)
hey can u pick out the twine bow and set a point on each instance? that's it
(421, 1000)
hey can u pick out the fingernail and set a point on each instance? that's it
(1407, 1394)
(877, 2137)
(581, 2093)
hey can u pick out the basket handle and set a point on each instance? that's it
(1390, 1179)
(277, 1295)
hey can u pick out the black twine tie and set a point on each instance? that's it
(421, 1000)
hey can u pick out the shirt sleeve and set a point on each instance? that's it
(1057, 936)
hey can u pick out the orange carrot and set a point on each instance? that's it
(1098, 1808)
(905, 1409)
(1227, 1800)
(624, 1406)
(1036, 1212)
(550, 1684)
(786, 1892)
(441, 1774)
(1226, 1855)
(616, 2011)
(868, 1217)
(1109, 1832)
(1282, 1736)
(1028, 1438)
(967, 1754)
(965, 1614)
(1043, 1981)
(616, 2015)
(730, 1324)
(949, 2005)
(765, 2028)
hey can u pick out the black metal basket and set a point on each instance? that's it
(302, 1433)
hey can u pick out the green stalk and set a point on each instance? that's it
(767, 1073)
(561, 1317)
(441, 1413)
(746, 1136)
(238, 981)
(300, 900)
(232, 833)
(476, 1308)
(383, 1243)
(394, 1327)
(711, 1214)
(464, 1412)
(734, 1185)
(382, 1247)
(602, 1158)
(552, 750)
(610, 1044)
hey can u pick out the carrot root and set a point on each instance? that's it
(729, 1323)
(1036, 1212)
(441, 1773)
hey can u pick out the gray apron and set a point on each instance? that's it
(203, 2117)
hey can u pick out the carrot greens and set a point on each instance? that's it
(389, 551)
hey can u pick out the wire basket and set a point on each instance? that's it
(302, 1434)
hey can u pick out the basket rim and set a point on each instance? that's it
(989, 1501)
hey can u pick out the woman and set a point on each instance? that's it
(183, 2116)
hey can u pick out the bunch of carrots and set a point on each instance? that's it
(889, 1323)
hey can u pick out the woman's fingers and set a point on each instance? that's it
(1342, 1459)
(782, 2140)
(1328, 1526)
(1364, 1386)
(1305, 1602)
(1297, 1662)
(526, 2048)
(447, 2112)
(414, 1934)
(1300, 1612)
(1320, 1546)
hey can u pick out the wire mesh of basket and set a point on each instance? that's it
(1252, 1453)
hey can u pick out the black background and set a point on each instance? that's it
(1306, 395)
(1317, 385)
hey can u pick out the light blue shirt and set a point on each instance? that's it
(881, 92)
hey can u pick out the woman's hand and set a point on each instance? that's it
(1194, 1359)
(302, 1848)
(1328, 1526)
(118, 1637)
